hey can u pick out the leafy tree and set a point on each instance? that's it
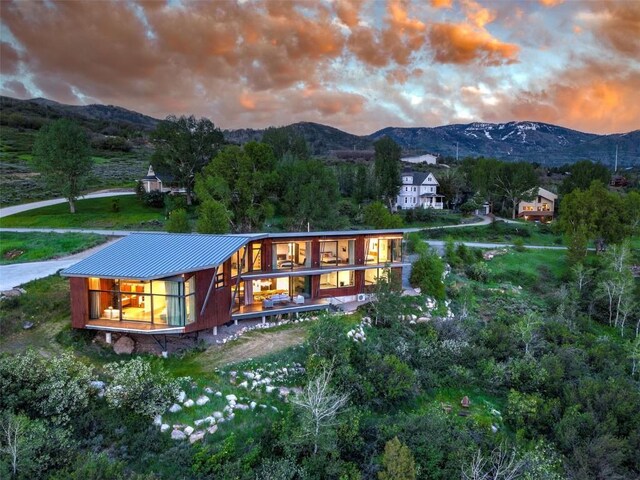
(285, 140)
(581, 174)
(452, 186)
(310, 195)
(135, 386)
(213, 217)
(243, 179)
(362, 184)
(387, 300)
(178, 221)
(516, 182)
(632, 206)
(387, 169)
(62, 154)
(427, 273)
(616, 285)
(594, 214)
(185, 145)
(397, 461)
(376, 215)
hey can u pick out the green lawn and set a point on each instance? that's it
(525, 268)
(30, 247)
(92, 213)
(501, 232)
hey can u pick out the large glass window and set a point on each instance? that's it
(256, 256)
(238, 262)
(337, 252)
(383, 250)
(340, 279)
(167, 302)
(290, 255)
(371, 275)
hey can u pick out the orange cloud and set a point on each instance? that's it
(551, 3)
(9, 59)
(348, 11)
(618, 25)
(477, 14)
(461, 44)
(442, 3)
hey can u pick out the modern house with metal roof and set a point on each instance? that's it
(161, 283)
(419, 190)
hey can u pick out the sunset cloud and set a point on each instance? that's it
(359, 65)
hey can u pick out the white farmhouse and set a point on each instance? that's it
(419, 190)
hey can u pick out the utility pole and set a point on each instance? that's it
(615, 170)
(456, 152)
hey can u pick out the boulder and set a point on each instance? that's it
(178, 435)
(242, 406)
(210, 420)
(209, 390)
(164, 428)
(182, 396)
(253, 405)
(157, 420)
(212, 429)
(199, 422)
(175, 408)
(270, 389)
(188, 430)
(218, 394)
(217, 415)
(202, 400)
(195, 436)
(231, 398)
(124, 346)
(244, 384)
(189, 403)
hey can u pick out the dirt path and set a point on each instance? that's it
(255, 344)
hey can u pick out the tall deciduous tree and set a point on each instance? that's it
(62, 154)
(285, 140)
(387, 169)
(184, 145)
(516, 182)
(310, 195)
(593, 214)
(243, 179)
(581, 174)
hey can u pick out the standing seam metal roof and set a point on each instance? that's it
(148, 256)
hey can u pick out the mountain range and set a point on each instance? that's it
(516, 141)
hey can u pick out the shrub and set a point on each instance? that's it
(392, 378)
(54, 387)
(154, 199)
(136, 387)
(427, 273)
(140, 191)
(178, 222)
(478, 272)
(416, 244)
(377, 215)
(518, 245)
(115, 205)
(175, 202)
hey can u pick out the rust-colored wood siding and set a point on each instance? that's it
(216, 312)
(79, 301)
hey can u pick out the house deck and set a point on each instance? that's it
(256, 310)
(132, 327)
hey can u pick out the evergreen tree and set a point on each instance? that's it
(387, 170)
(397, 461)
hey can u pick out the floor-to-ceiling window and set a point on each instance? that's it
(290, 255)
(170, 301)
(383, 250)
(339, 279)
(337, 252)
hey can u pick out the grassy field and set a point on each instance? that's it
(30, 247)
(525, 268)
(92, 213)
(501, 232)
(20, 184)
(440, 218)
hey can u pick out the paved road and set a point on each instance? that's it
(20, 273)
(5, 212)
